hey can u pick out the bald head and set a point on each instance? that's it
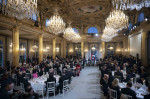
(106, 77)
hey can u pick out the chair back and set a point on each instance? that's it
(51, 86)
(124, 96)
(39, 89)
(113, 94)
(22, 87)
(65, 84)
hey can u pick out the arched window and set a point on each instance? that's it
(47, 22)
(92, 30)
(34, 17)
(130, 26)
(141, 17)
(76, 30)
(3, 1)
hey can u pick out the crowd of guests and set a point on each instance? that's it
(18, 75)
(131, 66)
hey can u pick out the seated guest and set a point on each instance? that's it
(5, 92)
(51, 78)
(105, 84)
(129, 76)
(35, 75)
(61, 79)
(116, 87)
(148, 95)
(143, 81)
(128, 90)
(119, 73)
(69, 74)
(78, 67)
(111, 78)
(41, 72)
(24, 81)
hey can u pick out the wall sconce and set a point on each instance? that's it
(45, 50)
(93, 48)
(10, 45)
(22, 50)
(118, 50)
(126, 50)
(86, 50)
(57, 49)
(111, 48)
(76, 48)
(32, 50)
(71, 50)
(47, 47)
(101, 50)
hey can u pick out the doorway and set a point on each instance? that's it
(1, 54)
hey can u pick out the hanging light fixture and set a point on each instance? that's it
(93, 48)
(20, 9)
(56, 24)
(106, 38)
(110, 32)
(130, 4)
(22, 50)
(69, 33)
(76, 38)
(117, 20)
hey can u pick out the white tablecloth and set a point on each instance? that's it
(140, 92)
(41, 82)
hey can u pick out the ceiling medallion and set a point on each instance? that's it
(20, 9)
(90, 9)
(56, 24)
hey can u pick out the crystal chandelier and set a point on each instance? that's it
(69, 33)
(20, 9)
(106, 38)
(117, 20)
(56, 24)
(130, 4)
(76, 38)
(110, 32)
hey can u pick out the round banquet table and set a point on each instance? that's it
(41, 82)
(139, 92)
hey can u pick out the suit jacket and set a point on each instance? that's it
(129, 91)
(119, 73)
(105, 87)
(4, 94)
(117, 88)
(110, 80)
(51, 80)
(147, 96)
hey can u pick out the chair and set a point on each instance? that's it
(65, 86)
(50, 88)
(40, 89)
(28, 75)
(124, 96)
(113, 94)
(101, 87)
(22, 87)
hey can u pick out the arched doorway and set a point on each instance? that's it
(1, 54)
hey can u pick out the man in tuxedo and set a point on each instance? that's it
(128, 90)
(148, 95)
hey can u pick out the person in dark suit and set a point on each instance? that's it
(51, 78)
(105, 85)
(128, 90)
(7, 87)
(69, 74)
(41, 72)
(61, 79)
(129, 76)
(148, 95)
(143, 81)
(111, 78)
(119, 73)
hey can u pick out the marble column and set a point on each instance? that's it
(82, 49)
(103, 49)
(54, 48)
(15, 43)
(40, 47)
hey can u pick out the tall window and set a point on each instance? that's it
(34, 16)
(141, 17)
(76, 30)
(92, 30)
(3, 1)
(46, 23)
